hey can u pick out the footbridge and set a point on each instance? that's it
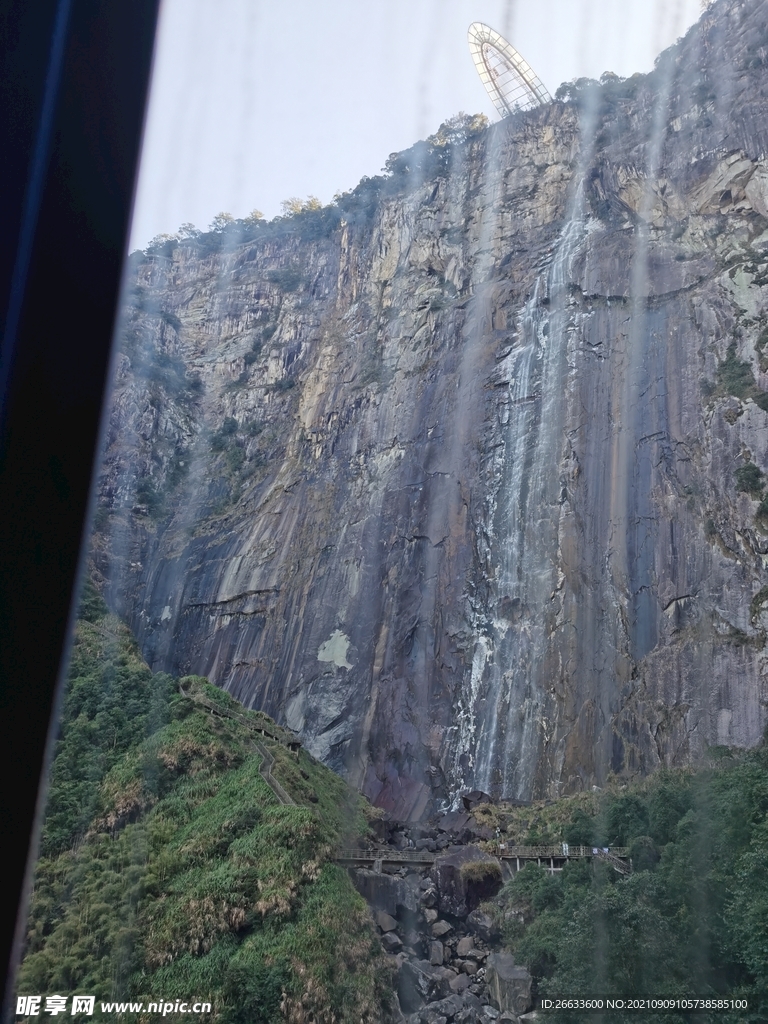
(552, 858)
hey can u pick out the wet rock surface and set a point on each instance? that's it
(448, 486)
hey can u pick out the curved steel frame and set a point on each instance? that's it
(510, 80)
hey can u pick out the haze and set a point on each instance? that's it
(254, 102)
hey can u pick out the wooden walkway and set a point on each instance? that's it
(553, 858)
(262, 725)
(265, 729)
(267, 761)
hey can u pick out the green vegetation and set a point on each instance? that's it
(286, 278)
(308, 219)
(758, 601)
(749, 478)
(481, 872)
(735, 377)
(252, 355)
(693, 915)
(169, 866)
(761, 345)
(283, 384)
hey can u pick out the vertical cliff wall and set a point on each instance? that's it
(461, 479)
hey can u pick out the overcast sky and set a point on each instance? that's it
(254, 101)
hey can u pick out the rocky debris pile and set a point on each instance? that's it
(460, 826)
(444, 947)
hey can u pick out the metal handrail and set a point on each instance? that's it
(615, 853)
(408, 856)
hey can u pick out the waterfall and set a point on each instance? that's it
(504, 716)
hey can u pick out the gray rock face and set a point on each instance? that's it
(388, 896)
(482, 925)
(448, 485)
(509, 986)
(419, 982)
(460, 983)
(436, 953)
(391, 942)
(460, 880)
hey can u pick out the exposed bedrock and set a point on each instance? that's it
(457, 484)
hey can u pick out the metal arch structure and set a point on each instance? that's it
(510, 80)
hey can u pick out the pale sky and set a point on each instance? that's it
(255, 101)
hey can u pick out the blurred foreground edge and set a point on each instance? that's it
(74, 77)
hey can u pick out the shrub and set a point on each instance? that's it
(171, 320)
(643, 853)
(253, 355)
(284, 384)
(735, 376)
(146, 494)
(758, 601)
(749, 478)
(480, 871)
(580, 831)
(287, 278)
(626, 818)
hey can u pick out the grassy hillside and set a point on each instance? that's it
(169, 868)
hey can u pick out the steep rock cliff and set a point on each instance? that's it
(461, 479)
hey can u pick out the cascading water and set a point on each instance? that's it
(505, 716)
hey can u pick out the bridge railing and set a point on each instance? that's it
(414, 856)
(507, 853)
(558, 852)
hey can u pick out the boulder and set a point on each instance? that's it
(509, 985)
(463, 877)
(436, 953)
(454, 821)
(440, 928)
(482, 925)
(385, 892)
(473, 799)
(419, 982)
(468, 1016)
(449, 1006)
(460, 983)
(429, 896)
(382, 828)
(385, 921)
(415, 940)
(465, 946)
(428, 1016)
(430, 916)
(391, 942)
(469, 967)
